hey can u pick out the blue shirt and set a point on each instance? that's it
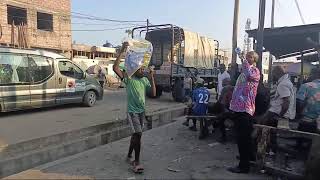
(310, 92)
(200, 100)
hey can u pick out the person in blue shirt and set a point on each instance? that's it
(200, 100)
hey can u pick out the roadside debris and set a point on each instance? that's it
(173, 170)
(214, 144)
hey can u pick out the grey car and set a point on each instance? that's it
(37, 78)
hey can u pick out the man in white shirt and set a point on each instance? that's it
(282, 103)
(187, 84)
(221, 76)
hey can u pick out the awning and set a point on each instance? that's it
(310, 57)
(289, 41)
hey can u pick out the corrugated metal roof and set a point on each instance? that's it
(289, 41)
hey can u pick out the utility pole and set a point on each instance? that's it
(270, 55)
(234, 38)
(272, 14)
(300, 13)
(262, 9)
(247, 40)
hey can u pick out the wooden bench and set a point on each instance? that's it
(285, 132)
(283, 129)
(209, 118)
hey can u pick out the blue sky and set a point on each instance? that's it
(212, 18)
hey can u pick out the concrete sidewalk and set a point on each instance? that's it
(169, 152)
(31, 138)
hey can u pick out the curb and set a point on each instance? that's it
(47, 149)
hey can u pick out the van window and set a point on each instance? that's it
(13, 69)
(40, 68)
(69, 69)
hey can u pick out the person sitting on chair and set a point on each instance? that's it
(200, 100)
(222, 108)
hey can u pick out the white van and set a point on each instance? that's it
(37, 78)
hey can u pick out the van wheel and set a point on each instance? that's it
(90, 99)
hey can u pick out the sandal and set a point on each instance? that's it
(138, 169)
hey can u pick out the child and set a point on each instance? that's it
(200, 100)
(136, 89)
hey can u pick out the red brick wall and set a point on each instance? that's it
(59, 39)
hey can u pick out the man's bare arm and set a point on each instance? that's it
(153, 84)
(116, 67)
(284, 106)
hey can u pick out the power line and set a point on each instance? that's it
(66, 13)
(102, 24)
(110, 29)
(24, 18)
(126, 25)
(79, 30)
(86, 16)
(129, 23)
(300, 13)
(90, 17)
(79, 23)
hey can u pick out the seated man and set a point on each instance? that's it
(308, 105)
(262, 100)
(282, 103)
(200, 100)
(221, 108)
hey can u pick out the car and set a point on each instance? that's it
(31, 78)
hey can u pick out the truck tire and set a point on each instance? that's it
(90, 99)
(159, 91)
(177, 92)
(173, 93)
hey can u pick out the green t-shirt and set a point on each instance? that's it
(136, 92)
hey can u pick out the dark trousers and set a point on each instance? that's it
(272, 121)
(222, 127)
(187, 93)
(101, 84)
(306, 127)
(221, 118)
(244, 128)
(222, 115)
(204, 127)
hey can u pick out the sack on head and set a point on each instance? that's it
(138, 54)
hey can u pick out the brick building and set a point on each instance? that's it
(47, 23)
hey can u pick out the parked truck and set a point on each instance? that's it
(177, 52)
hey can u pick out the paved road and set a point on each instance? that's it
(170, 146)
(25, 125)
